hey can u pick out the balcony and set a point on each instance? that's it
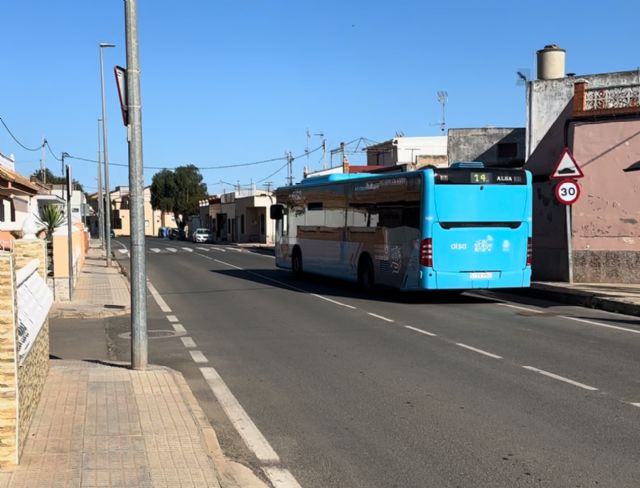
(610, 100)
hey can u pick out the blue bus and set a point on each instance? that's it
(461, 227)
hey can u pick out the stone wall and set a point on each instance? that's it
(606, 266)
(8, 361)
(21, 384)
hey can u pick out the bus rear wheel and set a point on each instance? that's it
(296, 262)
(365, 273)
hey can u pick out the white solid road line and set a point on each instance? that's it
(281, 478)
(188, 342)
(333, 301)
(599, 324)
(159, 300)
(179, 328)
(380, 317)
(520, 308)
(635, 404)
(172, 318)
(420, 331)
(479, 351)
(561, 378)
(576, 319)
(252, 437)
(198, 357)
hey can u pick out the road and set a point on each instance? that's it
(333, 388)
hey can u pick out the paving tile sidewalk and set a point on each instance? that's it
(101, 425)
(100, 291)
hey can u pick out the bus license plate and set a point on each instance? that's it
(481, 276)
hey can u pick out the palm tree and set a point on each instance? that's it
(51, 217)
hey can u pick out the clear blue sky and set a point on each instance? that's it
(233, 81)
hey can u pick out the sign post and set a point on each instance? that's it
(567, 192)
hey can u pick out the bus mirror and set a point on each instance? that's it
(276, 212)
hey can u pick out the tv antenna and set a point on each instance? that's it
(443, 96)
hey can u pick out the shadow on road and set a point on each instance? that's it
(344, 289)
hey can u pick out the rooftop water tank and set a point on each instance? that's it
(551, 61)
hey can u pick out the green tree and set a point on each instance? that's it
(178, 191)
(55, 180)
(163, 190)
(51, 217)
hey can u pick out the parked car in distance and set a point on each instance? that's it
(202, 235)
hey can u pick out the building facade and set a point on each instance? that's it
(597, 117)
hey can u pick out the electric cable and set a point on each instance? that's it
(17, 141)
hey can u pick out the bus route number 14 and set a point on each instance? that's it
(567, 192)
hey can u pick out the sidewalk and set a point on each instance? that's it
(101, 424)
(100, 291)
(612, 297)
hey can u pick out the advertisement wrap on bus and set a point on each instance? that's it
(461, 227)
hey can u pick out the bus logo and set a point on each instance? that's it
(484, 245)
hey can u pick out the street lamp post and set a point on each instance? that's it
(105, 157)
(100, 195)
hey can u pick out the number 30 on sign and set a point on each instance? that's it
(567, 192)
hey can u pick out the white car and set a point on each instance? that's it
(202, 235)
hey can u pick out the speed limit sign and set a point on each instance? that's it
(567, 192)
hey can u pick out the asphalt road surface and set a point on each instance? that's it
(312, 383)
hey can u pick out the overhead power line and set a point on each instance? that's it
(17, 141)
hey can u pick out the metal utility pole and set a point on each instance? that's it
(100, 194)
(69, 225)
(43, 164)
(106, 156)
(139, 354)
(443, 96)
(289, 167)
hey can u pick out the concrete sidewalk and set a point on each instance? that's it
(101, 424)
(612, 297)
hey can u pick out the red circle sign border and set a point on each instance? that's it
(557, 191)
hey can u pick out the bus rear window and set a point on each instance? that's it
(479, 176)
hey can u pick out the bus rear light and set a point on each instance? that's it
(426, 252)
(529, 251)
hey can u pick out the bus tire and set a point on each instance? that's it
(365, 273)
(296, 262)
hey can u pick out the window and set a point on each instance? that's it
(507, 149)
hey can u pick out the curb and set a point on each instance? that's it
(583, 298)
(227, 472)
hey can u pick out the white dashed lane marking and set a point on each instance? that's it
(198, 357)
(561, 378)
(431, 334)
(172, 318)
(188, 342)
(479, 351)
(380, 317)
(179, 328)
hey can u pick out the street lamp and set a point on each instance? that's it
(106, 157)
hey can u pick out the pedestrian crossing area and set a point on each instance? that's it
(191, 250)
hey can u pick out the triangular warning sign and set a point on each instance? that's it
(566, 167)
